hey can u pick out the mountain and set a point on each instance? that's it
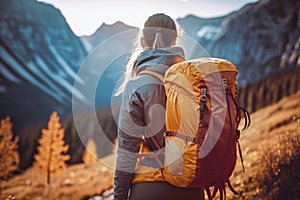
(104, 66)
(260, 39)
(105, 31)
(202, 30)
(39, 59)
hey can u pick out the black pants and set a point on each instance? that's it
(164, 191)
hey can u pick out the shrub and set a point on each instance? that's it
(280, 174)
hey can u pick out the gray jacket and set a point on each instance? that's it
(142, 108)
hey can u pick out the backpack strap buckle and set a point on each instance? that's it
(224, 82)
(202, 102)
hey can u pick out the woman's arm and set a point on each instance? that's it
(130, 130)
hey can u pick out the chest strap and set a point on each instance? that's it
(185, 137)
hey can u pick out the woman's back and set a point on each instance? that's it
(142, 116)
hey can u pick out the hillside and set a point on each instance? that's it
(271, 127)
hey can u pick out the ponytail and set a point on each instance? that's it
(158, 41)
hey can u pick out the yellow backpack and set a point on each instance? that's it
(202, 119)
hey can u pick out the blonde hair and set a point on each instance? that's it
(159, 31)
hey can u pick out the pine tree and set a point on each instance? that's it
(90, 154)
(52, 149)
(9, 157)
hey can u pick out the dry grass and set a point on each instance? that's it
(270, 145)
(77, 182)
(280, 174)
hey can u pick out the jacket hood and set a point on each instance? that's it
(159, 60)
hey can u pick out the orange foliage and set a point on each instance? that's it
(115, 148)
(52, 149)
(9, 157)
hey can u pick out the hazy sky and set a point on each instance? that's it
(85, 16)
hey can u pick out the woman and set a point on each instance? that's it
(141, 118)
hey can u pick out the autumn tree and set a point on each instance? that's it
(9, 157)
(52, 150)
(115, 148)
(90, 154)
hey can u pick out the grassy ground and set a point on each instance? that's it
(270, 150)
(76, 182)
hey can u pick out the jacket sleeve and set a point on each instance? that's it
(130, 129)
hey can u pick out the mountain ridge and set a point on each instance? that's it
(259, 34)
(38, 66)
